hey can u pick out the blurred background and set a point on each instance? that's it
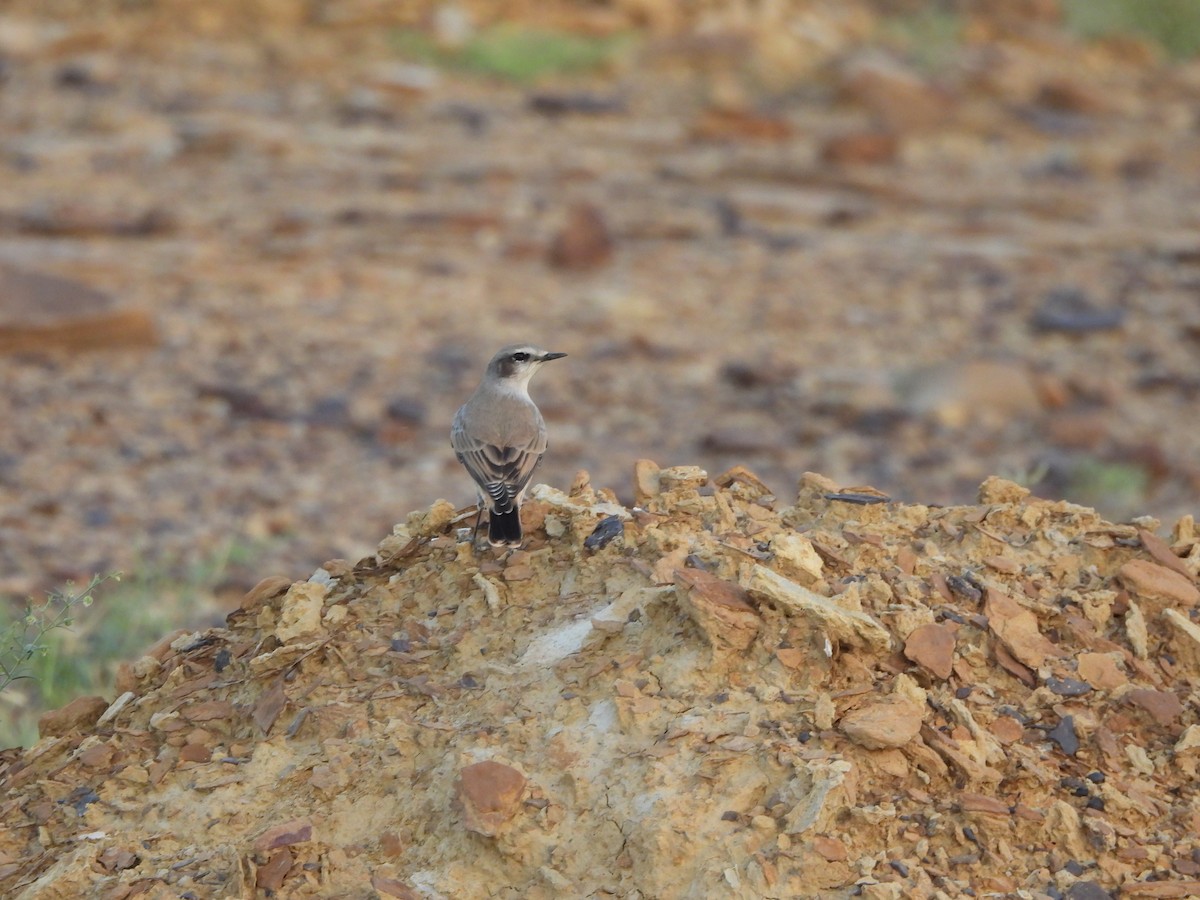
(254, 254)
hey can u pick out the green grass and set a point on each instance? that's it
(1116, 489)
(515, 53)
(1175, 24)
(930, 38)
(79, 655)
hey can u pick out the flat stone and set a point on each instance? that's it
(300, 610)
(40, 312)
(1100, 670)
(1164, 706)
(932, 647)
(79, 713)
(1157, 583)
(888, 723)
(1017, 628)
(720, 608)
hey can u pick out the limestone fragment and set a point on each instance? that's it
(300, 611)
(846, 626)
(490, 793)
(798, 559)
(719, 607)
(891, 722)
(645, 481)
(1001, 490)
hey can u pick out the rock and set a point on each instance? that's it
(300, 611)
(584, 241)
(1070, 310)
(738, 124)
(296, 831)
(79, 713)
(1164, 707)
(894, 93)
(1158, 585)
(889, 723)
(1162, 553)
(645, 481)
(797, 558)
(1064, 735)
(1017, 627)
(1100, 670)
(269, 587)
(490, 794)
(720, 608)
(847, 626)
(932, 648)
(861, 148)
(1001, 490)
(982, 392)
(44, 312)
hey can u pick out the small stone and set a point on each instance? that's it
(1162, 553)
(1087, 890)
(271, 586)
(1064, 735)
(296, 831)
(79, 713)
(1068, 687)
(861, 148)
(831, 849)
(1100, 670)
(45, 312)
(645, 481)
(1164, 706)
(893, 92)
(720, 608)
(300, 611)
(1017, 627)
(490, 793)
(932, 648)
(888, 723)
(996, 490)
(1070, 310)
(584, 241)
(1006, 729)
(1153, 582)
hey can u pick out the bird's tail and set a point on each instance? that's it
(504, 528)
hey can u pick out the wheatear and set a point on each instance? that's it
(500, 437)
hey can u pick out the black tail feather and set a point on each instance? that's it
(504, 528)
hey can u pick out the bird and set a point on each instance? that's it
(499, 436)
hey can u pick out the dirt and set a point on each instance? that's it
(729, 696)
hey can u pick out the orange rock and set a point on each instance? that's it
(1100, 670)
(888, 723)
(932, 647)
(1153, 582)
(831, 849)
(490, 793)
(720, 608)
(79, 713)
(1006, 729)
(1017, 628)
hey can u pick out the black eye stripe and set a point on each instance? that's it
(520, 357)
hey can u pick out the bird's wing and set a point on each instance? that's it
(501, 472)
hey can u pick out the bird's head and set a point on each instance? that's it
(516, 363)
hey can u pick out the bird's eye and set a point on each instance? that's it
(520, 357)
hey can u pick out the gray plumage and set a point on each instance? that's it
(499, 436)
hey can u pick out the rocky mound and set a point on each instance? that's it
(713, 694)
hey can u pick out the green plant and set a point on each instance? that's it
(66, 662)
(26, 641)
(1174, 24)
(1117, 489)
(514, 53)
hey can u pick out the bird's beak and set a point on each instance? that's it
(549, 356)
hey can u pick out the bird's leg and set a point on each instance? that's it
(475, 532)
